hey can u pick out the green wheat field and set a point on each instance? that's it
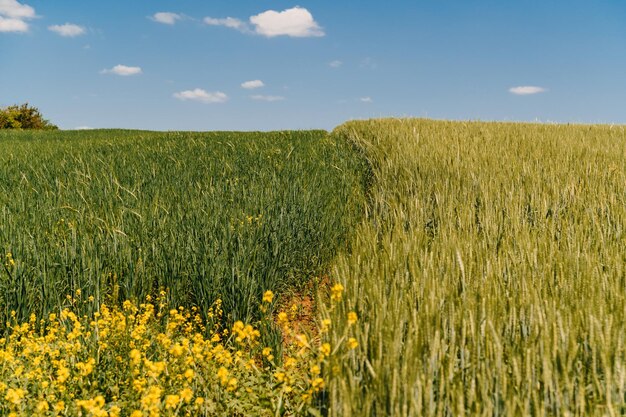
(397, 267)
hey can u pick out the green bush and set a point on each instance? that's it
(23, 117)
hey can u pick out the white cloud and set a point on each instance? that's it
(13, 25)
(229, 22)
(16, 10)
(166, 18)
(526, 90)
(366, 100)
(83, 128)
(201, 95)
(13, 16)
(249, 85)
(260, 97)
(335, 64)
(68, 30)
(122, 70)
(296, 22)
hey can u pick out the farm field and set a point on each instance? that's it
(489, 272)
(104, 232)
(120, 214)
(474, 269)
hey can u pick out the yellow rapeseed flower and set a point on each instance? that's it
(325, 349)
(336, 291)
(352, 343)
(151, 398)
(222, 374)
(59, 407)
(135, 357)
(10, 263)
(186, 394)
(326, 325)
(232, 384)
(317, 384)
(268, 296)
(290, 362)
(282, 318)
(302, 341)
(63, 374)
(176, 350)
(153, 354)
(352, 317)
(171, 401)
(43, 406)
(15, 395)
(267, 352)
(85, 368)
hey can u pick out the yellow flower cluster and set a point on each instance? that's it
(336, 292)
(147, 360)
(9, 263)
(247, 220)
(315, 354)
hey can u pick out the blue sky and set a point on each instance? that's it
(315, 64)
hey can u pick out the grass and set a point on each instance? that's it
(118, 215)
(489, 271)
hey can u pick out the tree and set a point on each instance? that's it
(23, 117)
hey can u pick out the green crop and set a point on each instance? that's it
(120, 214)
(489, 273)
